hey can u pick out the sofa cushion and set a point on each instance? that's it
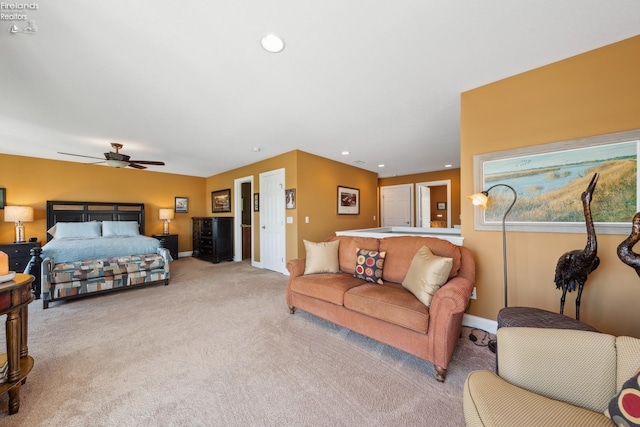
(389, 302)
(624, 408)
(427, 273)
(347, 251)
(369, 265)
(326, 287)
(401, 249)
(321, 257)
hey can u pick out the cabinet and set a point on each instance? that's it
(213, 238)
(19, 254)
(15, 296)
(169, 241)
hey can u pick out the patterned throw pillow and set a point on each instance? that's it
(369, 265)
(624, 408)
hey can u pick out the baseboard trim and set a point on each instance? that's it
(472, 321)
(185, 254)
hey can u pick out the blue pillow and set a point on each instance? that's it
(120, 228)
(77, 230)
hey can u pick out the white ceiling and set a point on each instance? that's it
(187, 82)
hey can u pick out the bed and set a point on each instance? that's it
(96, 247)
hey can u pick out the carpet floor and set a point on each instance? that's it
(218, 347)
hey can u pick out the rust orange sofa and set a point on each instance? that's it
(388, 312)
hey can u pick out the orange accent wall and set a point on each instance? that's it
(590, 94)
(31, 181)
(316, 181)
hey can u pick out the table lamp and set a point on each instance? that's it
(167, 216)
(18, 214)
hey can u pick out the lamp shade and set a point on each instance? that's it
(166, 214)
(479, 199)
(18, 213)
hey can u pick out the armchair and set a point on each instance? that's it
(551, 377)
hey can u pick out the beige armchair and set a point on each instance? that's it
(551, 377)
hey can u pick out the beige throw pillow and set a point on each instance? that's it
(321, 257)
(427, 273)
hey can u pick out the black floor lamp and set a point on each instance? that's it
(481, 199)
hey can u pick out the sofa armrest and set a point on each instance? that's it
(296, 267)
(577, 367)
(445, 318)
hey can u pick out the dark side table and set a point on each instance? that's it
(529, 317)
(169, 241)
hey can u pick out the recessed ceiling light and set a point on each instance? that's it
(256, 149)
(272, 43)
(345, 153)
(448, 166)
(381, 165)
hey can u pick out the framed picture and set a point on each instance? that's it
(3, 197)
(442, 206)
(256, 202)
(290, 198)
(348, 201)
(182, 205)
(221, 201)
(549, 180)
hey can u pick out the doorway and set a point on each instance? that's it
(243, 229)
(434, 204)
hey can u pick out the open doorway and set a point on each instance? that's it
(243, 233)
(434, 204)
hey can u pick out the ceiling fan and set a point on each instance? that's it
(118, 160)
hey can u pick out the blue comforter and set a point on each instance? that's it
(68, 250)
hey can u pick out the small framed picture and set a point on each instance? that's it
(256, 202)
(221, 201)
(290, 198)
(442, 206)
(348, 201)
(3, 197)
(182, 205)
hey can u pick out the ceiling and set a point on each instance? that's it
(189, 84)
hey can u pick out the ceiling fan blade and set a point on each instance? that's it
(80, 155)
(148, 162)
(136, 166)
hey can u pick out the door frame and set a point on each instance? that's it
(237, 229)
(440, 183)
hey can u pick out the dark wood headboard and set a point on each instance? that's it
(62, 211)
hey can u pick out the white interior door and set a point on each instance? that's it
(272, 226)
(424, 193)
(397, 205)
(425, 218)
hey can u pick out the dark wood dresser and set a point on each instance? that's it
(213, 238)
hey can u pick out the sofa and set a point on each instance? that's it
(383, 308)
(556, 377)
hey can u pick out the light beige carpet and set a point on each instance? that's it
(218, 347)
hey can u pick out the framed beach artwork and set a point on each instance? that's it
(549, 180)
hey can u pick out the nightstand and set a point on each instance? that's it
(19, 254)
(169, 241)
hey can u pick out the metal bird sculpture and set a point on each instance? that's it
(573, 267)
(625, 252)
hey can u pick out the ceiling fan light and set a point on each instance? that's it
(116, 163)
